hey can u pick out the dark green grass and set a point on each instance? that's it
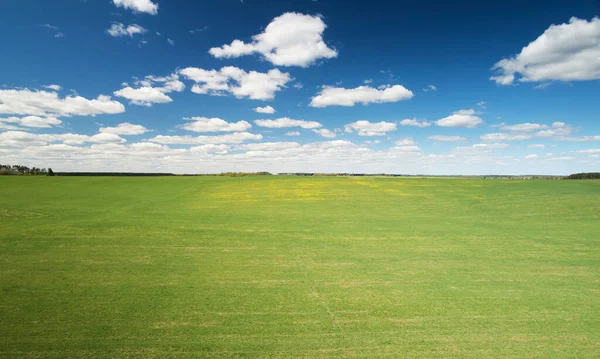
(299, 267)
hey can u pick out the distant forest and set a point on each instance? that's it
(18, 170)
(25, 171)
(586, 175)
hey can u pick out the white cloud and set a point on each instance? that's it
(292, 133)
(430, 88)
(478, 149)
(405, 149)
(593, 150)
(447, 138)
(405, 142)
(481, 104)
(297, 85)
(118, 30)
(580, 139)
(171, 42)
(53, 87)
(211, 148)
(268, 146)
(492, 146)
(143, 96)
(24, 139)
(531, 157)
(291, 39)
(106, 138)
(325, 132)
(287, 122)
(562, 158)
(366, 128)
(167, 84)
(527, 131)
(204, 124)
(505, 137)
(125, 128)
(30, 121)
(537, 146)
(462, 118)
(153, 90)
(254, 85)
(524, 127)
(194, 31)
(266, 109)
(414, 122)
(145, 6)
(565, 52)
(57, 34)
(237, 137)
(45, 103)
(337, 96)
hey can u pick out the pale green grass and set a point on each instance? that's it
(298, 267)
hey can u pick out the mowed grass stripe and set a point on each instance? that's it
(299, 267)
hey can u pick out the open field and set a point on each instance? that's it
(298, 267)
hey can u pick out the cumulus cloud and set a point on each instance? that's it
(143, 96)
(430, 88)
(46, 103)
(153, 90)
(292, 133)
(211, 148)
(462, 118)
(526, 131)
(268, 146)
(537, 146)
(337, 96)
(53, 87)
(237, 137)
(325, 132)
(125, 128)
(592, 150)
(562, 158)
(29, 121)
(266, 109)
(505, 137)
(119, 30)
(524, 127)
(443, 138)
(205, 124)
(253, 85)
(580, 139)
(145, 6)
(414, 122)
(405, 142)
(531, 157)
(565, 52)
(24, 139)
(291, 39)
(287, 122)
(366, 128)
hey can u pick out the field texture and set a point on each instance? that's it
(296, 267)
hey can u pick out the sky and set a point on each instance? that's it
(405, 87)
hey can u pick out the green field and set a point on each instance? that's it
(298, 267)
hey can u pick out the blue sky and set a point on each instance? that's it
(348, 81)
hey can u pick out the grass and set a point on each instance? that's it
(298, 267)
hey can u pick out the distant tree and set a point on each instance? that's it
(50, 172)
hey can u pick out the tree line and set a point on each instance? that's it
(34, 171)
(586, 175)
(24, 171)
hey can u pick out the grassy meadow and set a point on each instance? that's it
(298, 267)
